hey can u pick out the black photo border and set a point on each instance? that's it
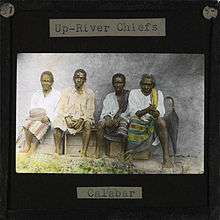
(11, 37)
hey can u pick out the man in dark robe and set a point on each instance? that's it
(113, 120)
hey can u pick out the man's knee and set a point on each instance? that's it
(57, 132)
(26, 130)
(101, 125)
(161, 123)
(87, 126)
(28, 133)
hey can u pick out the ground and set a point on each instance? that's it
(47, 163)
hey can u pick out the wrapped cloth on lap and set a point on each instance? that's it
(34, 124)
(140, 134)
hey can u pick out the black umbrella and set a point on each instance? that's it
(172, 121)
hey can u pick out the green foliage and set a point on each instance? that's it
(42, 163)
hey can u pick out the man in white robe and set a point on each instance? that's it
(43, 110)
(146, 109)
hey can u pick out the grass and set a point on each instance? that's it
(43, 163)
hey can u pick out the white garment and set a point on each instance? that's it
(138, 101)
(48, 102)
(110, 107)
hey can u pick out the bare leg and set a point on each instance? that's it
(102, 146)
(34, 145)
(107, 148)
(28, 138)
(86, 137)
(100, 139)
(162, 133)
(57, 140)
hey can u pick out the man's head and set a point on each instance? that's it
(147, 83)
(79, 78)
(118, 82)
(46, 80)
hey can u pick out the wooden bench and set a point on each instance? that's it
(72, 144)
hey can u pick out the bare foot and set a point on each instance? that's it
(97, 156)
(167, 164)
(27, 154)
(56, 155)
(83, 153)
(24, 149)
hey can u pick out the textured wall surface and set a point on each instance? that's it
(178, 75)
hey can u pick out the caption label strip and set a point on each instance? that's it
(109, 192)
(107, 27)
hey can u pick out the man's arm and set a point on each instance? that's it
(45, 120)
(159, 112)
(149, 110)
(61, 106)
(106, 110)
(90, 107)
(34, 101)
(34, 104)
(133, 105)
(161, 107)
(55, 101)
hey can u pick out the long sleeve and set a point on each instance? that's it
(132, 104)
(90, 107)
(53, 114)
(106, 110)
(110, 106)
(61, 107)
(161, 107)
(54, 106)
(34, 101)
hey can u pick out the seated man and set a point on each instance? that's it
(113, 122)
(42, 112)
(146, 108)
(75, 111)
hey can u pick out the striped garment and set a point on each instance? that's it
(141, 132)
(123, 128)
(117, 133)
(37, 128)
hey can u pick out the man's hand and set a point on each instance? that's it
(69, 121)
(149, 110)
(117, 115)
(143, 112)
(45, 120)
(73, 123)
(116, 122)
(111, 122)
(153, 111)
(108, 120)
(78, 123)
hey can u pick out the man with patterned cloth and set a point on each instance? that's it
(113, 120)
(43, 110)
(75, 112)
(146, 109)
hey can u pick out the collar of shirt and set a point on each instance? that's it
(74, 90)
(41, 93)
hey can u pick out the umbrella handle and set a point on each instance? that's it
(172, 100)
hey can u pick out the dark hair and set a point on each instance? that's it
(47, 73)
(148, 76)
(80, 71)
(118, 75)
